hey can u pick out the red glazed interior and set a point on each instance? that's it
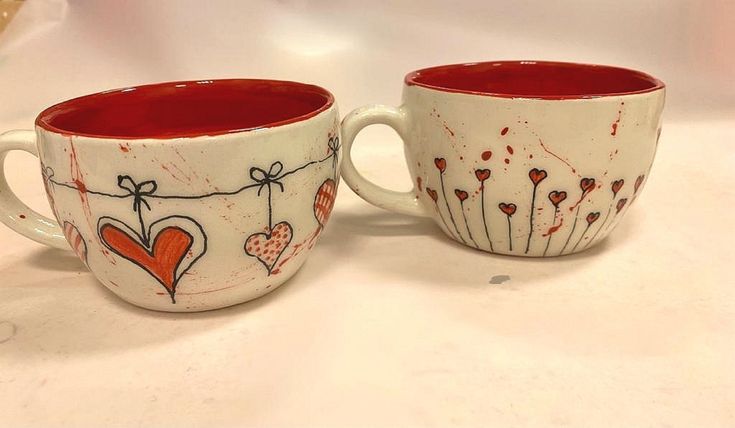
(535, 79)
(186, 109)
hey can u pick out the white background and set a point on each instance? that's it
(390, 324)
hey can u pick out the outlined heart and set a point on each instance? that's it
(440, 163)
(592, 217)
(616, 186)
(557, 197)
(432, 193)
(508, 209)
(268, 247)
(172, 246)
(482, 174)
(76, 241)
(324, 201)
(537, 175)
(587, 184)
(461, 194)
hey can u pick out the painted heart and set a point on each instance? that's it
(557, 197)
(592, 217)
(432, 193)
(324, 201)
(461, 194)
(587, 184)
(482, 174)
(418, 182)
(617, 185)
(537, 175)
(269, 246)
(76, 241)
(508, 209)
(619, 206)
(638, 182)
(170, 248)
(440, 163)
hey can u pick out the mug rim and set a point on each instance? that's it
(46, 116)
(414, 79)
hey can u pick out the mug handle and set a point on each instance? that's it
(399, 202)
(14, 213)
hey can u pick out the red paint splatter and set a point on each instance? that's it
(124, 149)
(530, 156)
(461, 158)
(418, 181)
(509, 149)
(506, 160)
(556, 156)
(504, 131)
(448, 130)
(22, 216)
(553, 229)
(617, 121)
(486, 155)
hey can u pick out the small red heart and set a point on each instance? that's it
(587, 184)
(617, 185)
(508, 209)
(592, 217)
(432, 193)
(268, 247)
(482, 174)
(638, 182)
(537, 175)
(418, 182)
(440, 163)
(168, 250)
(557, 197)
(621, 203)
(461, 194)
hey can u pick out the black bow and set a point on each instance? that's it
(266, 178)
(334, 146)
(138, 191)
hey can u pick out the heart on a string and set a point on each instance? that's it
(508, 209)
(169, 249)
(441, 164)
(432, 193)
(619, 206)
(536, 175)
(461, 194)
(482, 174)
(617, 185)
(76, 241)
(268, 247)
(557, 197)
(324, 201)
(587, 184)
(592, 217)
(638, 182)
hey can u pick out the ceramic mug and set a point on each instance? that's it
(519, 157)
(184, 196)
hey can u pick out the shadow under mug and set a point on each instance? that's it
(184, 196)
(522, 158)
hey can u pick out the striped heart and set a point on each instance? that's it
(76, 241)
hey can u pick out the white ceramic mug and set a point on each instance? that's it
(184, 196)
(519, 157)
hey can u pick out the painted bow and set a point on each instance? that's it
(266, 178)
(137, 190)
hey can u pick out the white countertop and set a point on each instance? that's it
(388, 323)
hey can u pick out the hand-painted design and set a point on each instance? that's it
(76, 241)
(324, 201)
(435, 197)
(268, 247)
(556, 197)
(441, 165)
(166, 250)
(587, 185)
(482, 175)
(591, 218)
(537, 176)
(615, 187)
(176, 247)
(462, 196)
(636, 186)
(620, 205)
(509, 210)
(47, 174)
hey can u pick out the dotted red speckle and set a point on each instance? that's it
(486, 155)
(22, 216)
(506, 160)
(509, 149)
(504, 131)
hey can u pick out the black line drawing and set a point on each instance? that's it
(556, 198)
(587, 185)
(462, 196)
(591, 218)
(441, 165)
(509, 210)
(537, 176)
(483, 175)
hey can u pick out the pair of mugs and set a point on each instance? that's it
(190, 196)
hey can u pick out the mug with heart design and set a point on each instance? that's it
(184, 196)
(524, 158)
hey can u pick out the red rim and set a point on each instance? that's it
(544, 80)
(104, 114)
